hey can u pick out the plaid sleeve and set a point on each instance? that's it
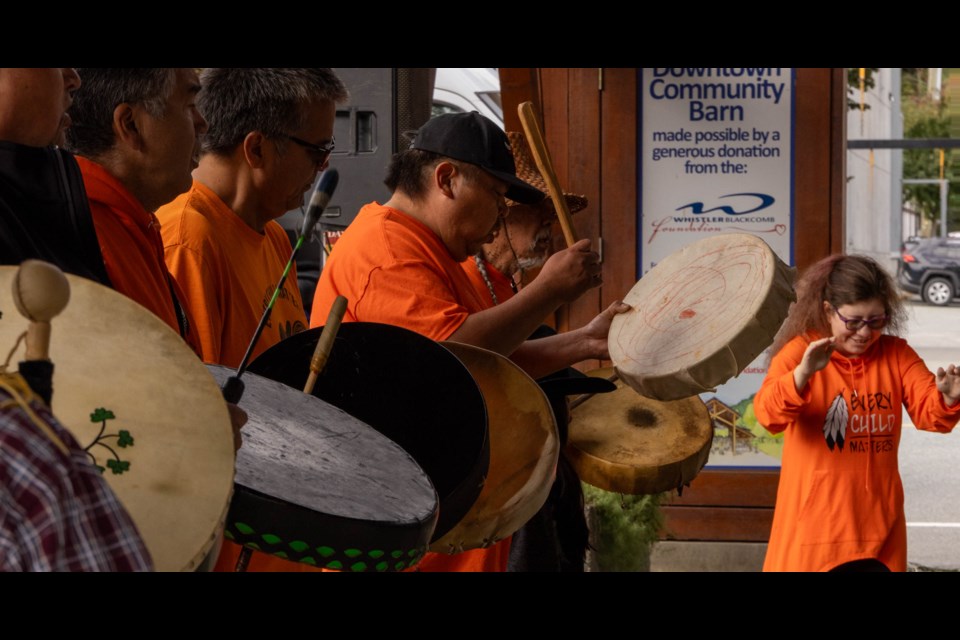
(56, 512)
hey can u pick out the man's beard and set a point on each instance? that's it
(535, 257)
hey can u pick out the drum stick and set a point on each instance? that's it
(541, 155)
(325, 343)
(40, 293)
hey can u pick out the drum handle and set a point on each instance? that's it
(579, 400)
(325, 343)
(541, 155)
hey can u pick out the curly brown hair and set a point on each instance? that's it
(839, 279)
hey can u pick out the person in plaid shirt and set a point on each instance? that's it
(57, 512)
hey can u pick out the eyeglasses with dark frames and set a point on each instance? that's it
(322, 151)
(855, 324)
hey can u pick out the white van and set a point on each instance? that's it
(468, 89)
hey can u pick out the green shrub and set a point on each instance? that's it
(623, 528)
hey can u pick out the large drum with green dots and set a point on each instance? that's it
(315, 485)
(409, 388)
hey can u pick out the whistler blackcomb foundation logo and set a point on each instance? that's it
(746, 203)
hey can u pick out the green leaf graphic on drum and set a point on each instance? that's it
(118, 466)
(124, 440)
(100, 415)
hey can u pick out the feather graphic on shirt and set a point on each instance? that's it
(835, 426)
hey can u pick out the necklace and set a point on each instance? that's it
(486, 277)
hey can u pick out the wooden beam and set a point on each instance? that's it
(819, 164)
(717, 524)
(743, 488)
(618, 176)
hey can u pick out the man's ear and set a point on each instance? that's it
(443, 175)
(254, 149)
(126, 127)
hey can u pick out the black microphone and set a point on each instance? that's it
(319, 200)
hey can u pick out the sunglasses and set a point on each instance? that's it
(322, 152)
(855, 324)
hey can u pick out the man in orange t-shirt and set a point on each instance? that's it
(270, 133)
(265, 144)
(398, 263)
(136, 135)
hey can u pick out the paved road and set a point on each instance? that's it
(930, 462)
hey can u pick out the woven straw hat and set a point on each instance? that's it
(528, 172)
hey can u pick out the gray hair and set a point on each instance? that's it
(238, 101)
(91, 132)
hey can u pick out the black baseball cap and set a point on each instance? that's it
(471, 137)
